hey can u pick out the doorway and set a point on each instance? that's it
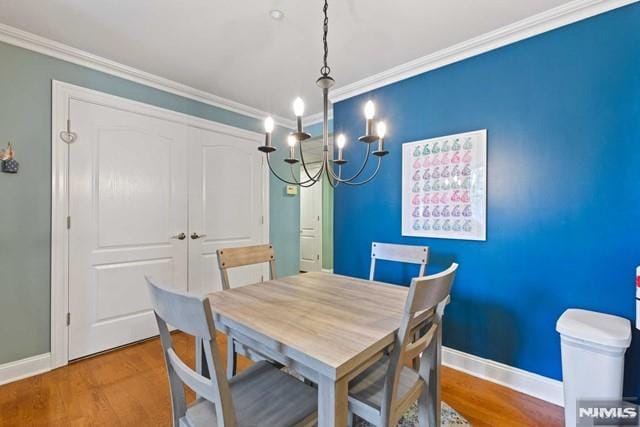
(316, 214)
(148, 192)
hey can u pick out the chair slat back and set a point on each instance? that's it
(427, 294)
(409, 254)
(246, 255)
(192, 315)
(179, 309)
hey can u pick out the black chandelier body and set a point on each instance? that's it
(327, 168)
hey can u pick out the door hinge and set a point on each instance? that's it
(262, 278)
(68, 319)
(318, 257)
(318, 217)
(262, 220)
(68, 223)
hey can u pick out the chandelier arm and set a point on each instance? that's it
(373, 175)
(364, 164)
(304, 164)
(313, 180)
(333, 183)
(276, 175)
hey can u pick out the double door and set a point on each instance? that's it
(151, 197)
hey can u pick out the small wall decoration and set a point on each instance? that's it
(7, 158)
(444, 187)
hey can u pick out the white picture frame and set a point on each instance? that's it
(444, 187)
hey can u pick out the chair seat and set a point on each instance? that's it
(368, 386)
(262, 396)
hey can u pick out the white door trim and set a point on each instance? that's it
(313, 168)
(62, 93)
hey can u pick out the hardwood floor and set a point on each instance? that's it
(128, 387)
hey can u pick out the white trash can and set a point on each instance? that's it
(593, 346)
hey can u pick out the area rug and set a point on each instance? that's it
(450, 418)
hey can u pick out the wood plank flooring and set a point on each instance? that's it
(128, 387)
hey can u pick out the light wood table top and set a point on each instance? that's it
(335, 323)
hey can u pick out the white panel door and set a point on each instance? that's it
(127, 198)
(311, 226)
(226, 206)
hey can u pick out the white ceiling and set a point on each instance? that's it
(233, 49)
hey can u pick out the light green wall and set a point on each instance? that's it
(25, 198)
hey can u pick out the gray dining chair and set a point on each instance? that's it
(408, 254)
(385, 390)
(240, 257)
(261, 395)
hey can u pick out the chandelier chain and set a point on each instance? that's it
(325, 70)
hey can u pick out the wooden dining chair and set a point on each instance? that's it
(385, 390)
(262, 395)
(408, 254)
(240, 257)
(243, 256)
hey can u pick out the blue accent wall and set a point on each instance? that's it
(563, 116)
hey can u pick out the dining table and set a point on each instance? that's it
(326, 327)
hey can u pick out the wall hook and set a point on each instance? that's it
(68, 136)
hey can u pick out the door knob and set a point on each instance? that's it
(180, 236)
(195, 235)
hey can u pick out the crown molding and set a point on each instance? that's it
(313, 119)
(551, 19)
(33, 42)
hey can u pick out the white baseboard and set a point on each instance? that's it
(327, 270)
(14, 371)
(535, 385)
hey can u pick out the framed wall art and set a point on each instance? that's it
(444, 187)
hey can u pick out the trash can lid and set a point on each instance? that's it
(598, 328)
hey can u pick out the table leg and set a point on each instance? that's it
(332, 402)
(201, 361)
(437, 395)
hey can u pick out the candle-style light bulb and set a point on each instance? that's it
(268, 124)
(291, 140)
(298, 107)
(369, 110)
(381, 128)
(369, 113)
(268, 128)
(341, 140)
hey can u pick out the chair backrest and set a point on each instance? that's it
(428, 294)
(408, 254)
(246, 255)
(191, 314)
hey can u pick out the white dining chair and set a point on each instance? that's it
(261, 395)
(408, 254)
(384, 391)
(240, 257)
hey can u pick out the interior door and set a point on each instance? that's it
(127, 198)
(311, 226)
(226, 206)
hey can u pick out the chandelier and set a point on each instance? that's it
(328, 164)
